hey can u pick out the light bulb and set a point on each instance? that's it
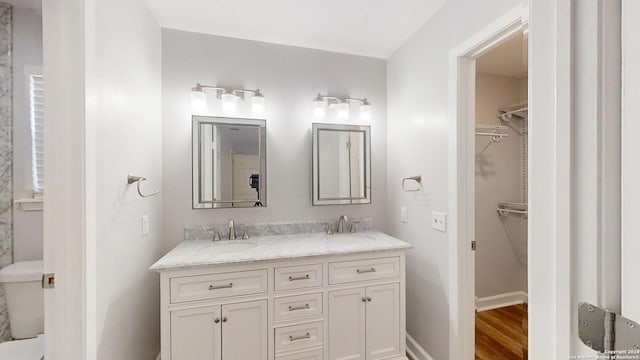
(257, 103)
(343, 109)
(319, 106)
(229, 102)
(198, 98)
(365, 111)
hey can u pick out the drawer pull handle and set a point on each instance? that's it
(228, 286)
(306, 277)
(302, 337)
(303, 307)
(366, 271)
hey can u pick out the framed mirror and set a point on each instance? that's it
(341, 164)
(229, 162)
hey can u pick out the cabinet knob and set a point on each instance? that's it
(368, 299)
(224, 319)
(364, 299)
(217, 320)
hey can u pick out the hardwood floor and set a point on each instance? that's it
(501, 334)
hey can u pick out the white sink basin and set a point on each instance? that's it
(233, 246)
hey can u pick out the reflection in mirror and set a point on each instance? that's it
(229, 162)
(341, 164)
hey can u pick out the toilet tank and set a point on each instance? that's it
(22, 285)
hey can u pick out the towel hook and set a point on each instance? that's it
(139, 179)
(416, 178)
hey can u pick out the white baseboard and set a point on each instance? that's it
(415, 351)
(501, 300)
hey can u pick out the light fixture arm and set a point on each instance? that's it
(220, 90)
(335, 99)
(362, 101)
(200, 87)
(245, 91)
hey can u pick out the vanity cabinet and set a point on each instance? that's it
(196, 333)
(230, 331)
(313, 308)
(364, 323)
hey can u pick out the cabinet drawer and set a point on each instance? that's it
(298, 337)
(305, 355)
(298, 277)
(202, 287)
(350, 271)
(297, 307)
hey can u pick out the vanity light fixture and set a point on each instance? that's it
(228, 102)
(198, 98)
(257, 103)
(319, 106)
(229, 98)
(342, 106)
(365, 110)
(343, 109)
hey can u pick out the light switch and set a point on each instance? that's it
(403, 214)
(439, 221)
(145, 225)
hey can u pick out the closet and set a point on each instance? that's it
(501, 201)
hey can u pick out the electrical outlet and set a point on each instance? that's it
(145, 225)
(403, 214)
(439, 221)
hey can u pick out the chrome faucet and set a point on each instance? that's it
(232, 230)
(341, 222)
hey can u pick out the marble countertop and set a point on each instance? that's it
(201, 253)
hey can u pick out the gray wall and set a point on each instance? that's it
(27, 57)
(124, 135)
(501, 257)
(289, 77)
(418, 89)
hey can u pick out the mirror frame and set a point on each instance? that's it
(316, 200)
(197, 120)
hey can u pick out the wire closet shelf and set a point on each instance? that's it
(508, 208)
(518, 110)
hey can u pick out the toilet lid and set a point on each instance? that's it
(31, 349)
(22, 271)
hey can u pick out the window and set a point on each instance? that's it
(36, 105)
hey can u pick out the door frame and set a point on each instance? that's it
(549, 26)
(68, 249)
(630, 295)
(462, 65)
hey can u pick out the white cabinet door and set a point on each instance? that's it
(195, 334)
(244, 331)
(347, 324)
(383, 321)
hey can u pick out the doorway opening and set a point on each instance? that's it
(501, 200)
(463, 153)
(23, 181)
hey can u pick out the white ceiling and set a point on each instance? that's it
(509, 59)
(360, 27)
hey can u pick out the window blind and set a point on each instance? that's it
(36, 100)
